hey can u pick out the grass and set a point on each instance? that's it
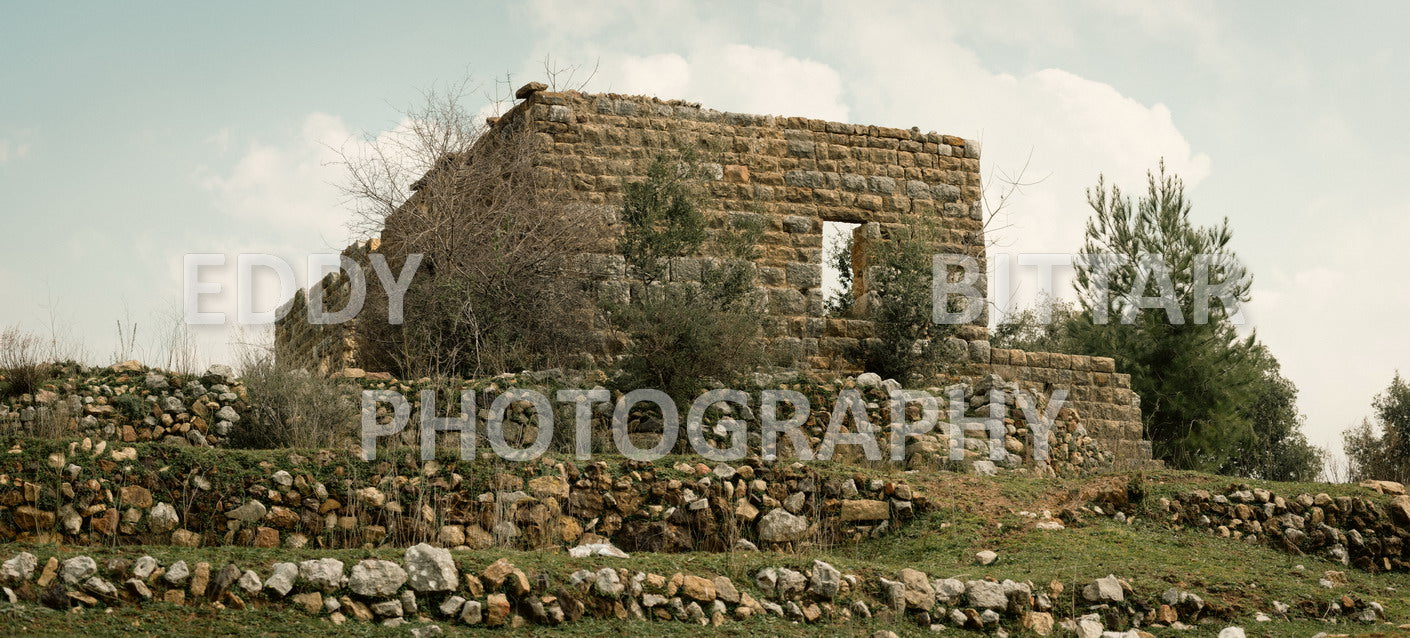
(968, 514)
(1237, 579)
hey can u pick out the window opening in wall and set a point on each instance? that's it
(837, 272)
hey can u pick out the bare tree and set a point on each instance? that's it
(501, 283)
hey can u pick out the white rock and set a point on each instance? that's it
(177, 573)
(779, 526)
(282, 579)
(250, 582)
(325, 574)
(163, 518)
(986, 557)
(597, 549)
(75, 570)
(144, 566)
(1232, 632)
(1104, 590)
(19, 568)
(376, 578)
(431, 568)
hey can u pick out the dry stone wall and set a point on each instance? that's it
(790, 175)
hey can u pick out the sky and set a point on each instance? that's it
(132, 135)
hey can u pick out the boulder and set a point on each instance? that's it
(779, 526)
(1104, 590)
(865, 510)
(985, 594)
(324, 574)
(374, 578)
(77, 569)
(430, 568)
(281, 581)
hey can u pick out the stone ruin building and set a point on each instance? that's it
(797, 175)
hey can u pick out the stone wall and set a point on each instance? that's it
(791, 175)
(1109, 409)
(326, 348)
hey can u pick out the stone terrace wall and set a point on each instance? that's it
(1109, 409)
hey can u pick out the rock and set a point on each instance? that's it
(100, 587)
(1400, 509)
(1040, 623)
(496, 610)
(20, 568)
(825, 580)
(701, 589)
(985, 594)
(431, 569)
(156, 381)
(387, 609)
(281, 581)
(185, 538)
(177, 573)
(311, 602)
(986, 557)
(136, 496)
(429, 631)
(1089, 626)
(218, 374)
(1049, 525)
(252, 511)
(163, 518)
(869, 380)
(743, 545)
(77, 569)
(1232, 632)
(865, 510)
(984, 468)
(1384, 487)
(471, 613)
(374, 578)
(1104, 590)
(546, 486)
(918, 594)
(779, 526)
(138, 588)
(250, 582)
(324, 574)
(607, 583)
(28, 517)
(725, 590)
(597, 549)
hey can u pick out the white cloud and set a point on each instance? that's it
(289, 186)
(899, 65)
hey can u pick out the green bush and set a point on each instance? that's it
(291, 407)
(683, 333)
(908, 343)
(130, 406)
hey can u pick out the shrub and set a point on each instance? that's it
(21, 369)
(290, 407)
(684, 333)
(130, 406)
(501, 285)
(908, 343)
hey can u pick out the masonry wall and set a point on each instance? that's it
(791, 175)
(1109, 409)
